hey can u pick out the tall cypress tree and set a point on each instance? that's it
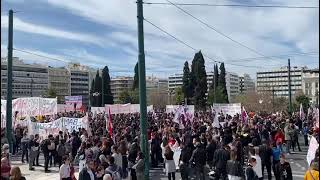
(107, 95)
(92, 101)
(216, 75)
(98, 88)
(136, 77)
(222, 82)
(199, 80)
(186, 80)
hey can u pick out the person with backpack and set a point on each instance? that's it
(61, 151)
(198, 159)
(113, 169)
(32, 152)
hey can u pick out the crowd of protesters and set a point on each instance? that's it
(235, 150)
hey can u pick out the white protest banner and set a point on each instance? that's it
(172, 108)
(73, 124)
(48, 106)
(312, 150)
(75, 102)
(121, 108)
(97, 110)
(44, 129)
(34, 106)
(230, 109)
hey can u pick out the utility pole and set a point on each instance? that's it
(102, 91)
(142, 91)
(289, 88)
(9, 81)
(31, 86)
(272, 98)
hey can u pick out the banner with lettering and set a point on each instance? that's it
(73, 124)
(73, 102)
(230, 109)
(44, 129)
(173, 108)
(122, 108)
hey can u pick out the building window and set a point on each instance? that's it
(317, 84)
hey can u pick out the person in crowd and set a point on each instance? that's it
(139, 167)
(87, 173)
(33, 151)
(53, 151)
(81, 156)
(5, 168)
(24, 146)
(46, 147)
(117, 156)
(170, 166)
(249, 172)
(36, 142)
(266, 158)
(258, 168)
(313, 172)
(100, 172)
(276, 152)
(288, 131)
(185, 157)
(61, 151)
(210, 149)
(221, 157)
(234, 167)
(306, 132)
(283, 169)
(15, 174)
(295, 137)
(155, 150)
(65, 171)
(113, 169)
(198, 158)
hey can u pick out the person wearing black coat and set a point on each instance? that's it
(198, 159)
(86, 173)
(185, 156)
(221, 157)
(234, 167)
(210, 149)
(283, 169)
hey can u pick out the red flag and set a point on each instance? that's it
(110, 124)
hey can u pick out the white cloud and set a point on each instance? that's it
(24, 26)
(269, 31)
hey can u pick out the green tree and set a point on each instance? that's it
(136, 77)
(179, 95)
(124, 97)
(222, 83)
(98, 89)
(199, 81)
(186, 86)
(213, 86)
(50, 93)
(304, 100)
(107, 95)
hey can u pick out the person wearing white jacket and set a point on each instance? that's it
(258, 168)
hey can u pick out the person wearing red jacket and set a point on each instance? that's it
(279, 137)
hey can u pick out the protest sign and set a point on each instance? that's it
(313, 146)
(121, 108)
(230, 109)
(72, 124)
(73, 103)
(172, 108)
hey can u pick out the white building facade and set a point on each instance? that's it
(310, 84)
(277, 81)
(28, 80)
(246, 83)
